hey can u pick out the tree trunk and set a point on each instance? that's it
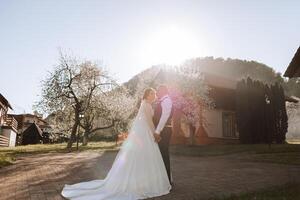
(85, 138)
(73, 136)
(74, 129)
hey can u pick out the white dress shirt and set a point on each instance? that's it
(166, 106)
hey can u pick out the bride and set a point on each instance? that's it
(138, 171)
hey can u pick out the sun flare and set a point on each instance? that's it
(171, 46)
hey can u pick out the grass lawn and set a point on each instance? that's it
(8, 154)
(289, 191)
(276, 153)
(291, 158)
(217, 150)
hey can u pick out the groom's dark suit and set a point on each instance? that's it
(165, 134)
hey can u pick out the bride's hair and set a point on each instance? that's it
(147, 92)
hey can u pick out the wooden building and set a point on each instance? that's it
(8, 124)
(220, 126)
(25, 121)
(32, 135)
(220, 123)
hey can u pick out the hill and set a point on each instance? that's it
(231, 68)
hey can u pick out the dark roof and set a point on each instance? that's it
(5, 101)
(293, 69)
(33, 128)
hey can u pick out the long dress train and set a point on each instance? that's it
(138, 171)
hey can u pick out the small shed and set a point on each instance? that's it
(32, 135)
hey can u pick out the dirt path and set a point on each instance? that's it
(42, 176)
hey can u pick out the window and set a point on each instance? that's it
(229, 124)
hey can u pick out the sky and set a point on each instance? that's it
(129, 36)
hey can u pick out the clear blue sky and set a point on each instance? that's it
(125, 35)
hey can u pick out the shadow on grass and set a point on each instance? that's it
(218, 150)
(278, 153)
(9, 154)
(290, 158)
(289, 191)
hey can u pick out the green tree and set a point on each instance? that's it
(261, 112)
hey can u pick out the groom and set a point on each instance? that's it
(162, 121)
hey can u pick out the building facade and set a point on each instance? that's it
(219, 122)
(8, 124)
(25, 121)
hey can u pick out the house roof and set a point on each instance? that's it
(5, 101)
(219, 81)
(30, 115)
(33, 128)
(293, 69)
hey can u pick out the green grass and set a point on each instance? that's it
(217, 150)
(290, 191)
(6, 159)
(290, 158)
(276, 153)
(8, 154)
(208, 150)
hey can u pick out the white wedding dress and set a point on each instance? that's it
(138, 171)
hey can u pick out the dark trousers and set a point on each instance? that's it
(164, 148)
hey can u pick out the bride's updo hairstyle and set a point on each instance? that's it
(147, 92)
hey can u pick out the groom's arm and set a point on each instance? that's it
(166, 111)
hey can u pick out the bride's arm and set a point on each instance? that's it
(149, 114)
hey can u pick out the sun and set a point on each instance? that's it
(171, 46)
